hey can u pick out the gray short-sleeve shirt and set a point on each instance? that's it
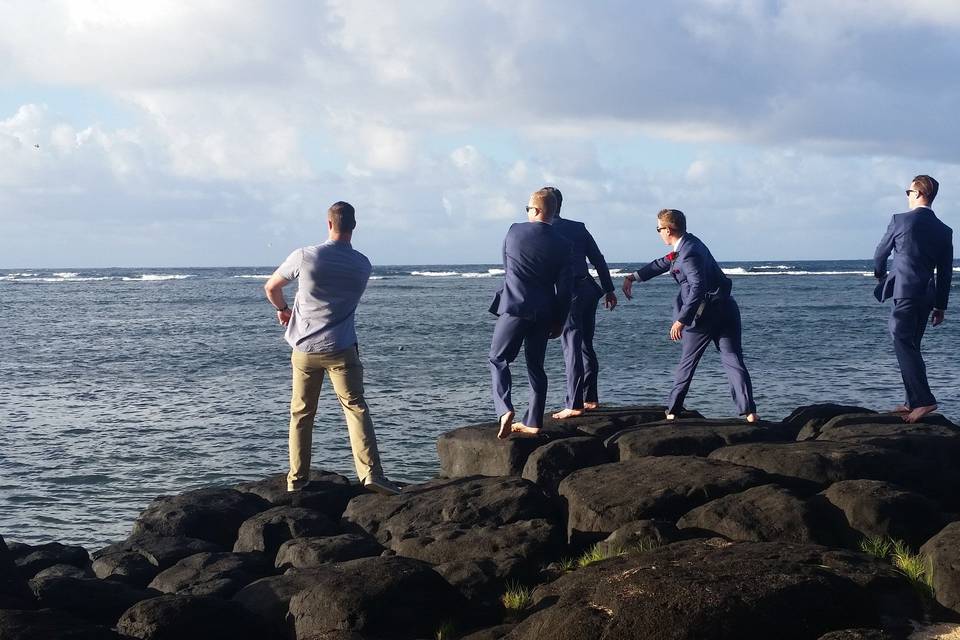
(331, 278)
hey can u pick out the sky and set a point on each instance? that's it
(217, 133)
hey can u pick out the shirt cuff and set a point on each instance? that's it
(636, 274)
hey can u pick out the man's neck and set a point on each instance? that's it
(342, 238)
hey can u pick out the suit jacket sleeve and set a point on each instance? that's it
(944, 275)
(599, 263)
(653, 269)
(564, 287)
(693, 269)
(884, 249)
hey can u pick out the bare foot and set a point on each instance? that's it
(918, 413)
(752, 417)
(524, 431)
(568, 413)
(591, 406)
(901, 408)
(505, 421)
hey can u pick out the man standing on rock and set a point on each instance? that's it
(579, 358)
(922, 245)
(704, 312)
(331, 278)
(531, 308)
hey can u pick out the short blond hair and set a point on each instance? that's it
(545, 201)
(674, 219)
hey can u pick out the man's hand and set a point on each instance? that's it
(628, 286)
(610, 301)
(676, 331)
(937, 316)
(283, 317)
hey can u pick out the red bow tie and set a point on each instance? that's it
(671, 256)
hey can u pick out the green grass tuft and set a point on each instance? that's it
(446, 631)
(596, 553)
(568, 564)
(877, 546)
(517, 597)
(915, 566)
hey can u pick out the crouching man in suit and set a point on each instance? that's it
(531, 307)
(922, 244)
(704, 312)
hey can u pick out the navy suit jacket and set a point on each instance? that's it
(584, 248)
(922, 244)
(537, 283)
(700, 278)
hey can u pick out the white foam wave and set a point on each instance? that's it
(65, 274)
(740, 271)
(376, 277)
(156, 277)
(13, 278)
(489, 273)
(774, 266)
(956, 268)
(258, 276)
(435, 274)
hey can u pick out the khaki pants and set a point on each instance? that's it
(346, 374)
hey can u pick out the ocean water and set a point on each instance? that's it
(119, 385)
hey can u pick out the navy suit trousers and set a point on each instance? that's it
(579, 357)
(720, 324)
(908, 321)
(508, 334)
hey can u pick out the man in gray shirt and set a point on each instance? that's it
(331, 278)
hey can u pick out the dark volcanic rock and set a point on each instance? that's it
(553, 462)
(641, 534)
(601, 499)
(327, 492)
(712, 590)
(214, 515)
(806, 421)
(32, 559)
(14, 593)
(824, 463)
(189, 617)
(389, 596)
(303, 553)
(101, 601)
(269, 600)
(213, 574)
(936, 443)
(876, 508)
(686, 438)
(66, 571)
(268, 530)
(609, 420)
(493, 633)
(138, 559)
(50, 625)
(475, 450)
(858, 634)
(766, 513)
(508, 521)
(943, 550)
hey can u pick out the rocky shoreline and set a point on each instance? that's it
(837, 523)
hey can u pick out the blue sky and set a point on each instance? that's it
(216, 133)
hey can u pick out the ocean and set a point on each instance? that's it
(120, 385)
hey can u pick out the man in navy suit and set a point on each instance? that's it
(704, 312)
(579, 358)
(921, 244)
(531, 306)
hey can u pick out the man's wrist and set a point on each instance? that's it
(285, 308)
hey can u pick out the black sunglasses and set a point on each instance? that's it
(537, 209)
(909, 191)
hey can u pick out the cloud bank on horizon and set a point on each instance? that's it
(217, 133)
